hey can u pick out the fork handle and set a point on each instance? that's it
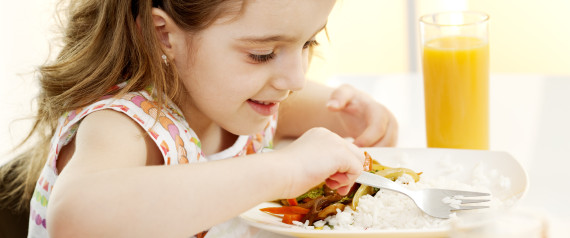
(378, 181)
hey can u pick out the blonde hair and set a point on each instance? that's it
(102, 47)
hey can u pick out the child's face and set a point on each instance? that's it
(237, 71)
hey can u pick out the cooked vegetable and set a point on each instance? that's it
(367, 161)
(377, 166)
(321, 201)
(313, 193)
(289, 218)
(362, 190)
(286, 210)
(330, 210)
(292, 202)
(395, 173)
(319, 204)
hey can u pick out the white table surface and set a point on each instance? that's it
(529, 118)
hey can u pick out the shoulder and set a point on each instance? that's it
(110, 139)
(132, 119)
(108, 125)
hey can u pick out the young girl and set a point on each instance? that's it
(142, 85)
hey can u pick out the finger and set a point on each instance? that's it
(337, 180)
(348, 172)
(332, 184)
(357, 152)
(344, 190)
(342, 187)
(339, 177)
(340, 98)
(390, 136)
(354, 168)
(372, 134)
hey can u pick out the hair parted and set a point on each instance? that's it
(105, 42)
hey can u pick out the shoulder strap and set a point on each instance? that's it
(177, 143)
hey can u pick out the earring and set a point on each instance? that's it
(165, 59)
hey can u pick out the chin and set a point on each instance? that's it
(249, 128)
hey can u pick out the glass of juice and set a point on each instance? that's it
(455, 64)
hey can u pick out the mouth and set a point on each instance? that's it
(264, 108)
(262, 102)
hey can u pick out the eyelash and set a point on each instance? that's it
(311, 43)
(262, 58)
(267, 57)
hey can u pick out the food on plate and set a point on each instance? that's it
(321, 202)
(390, 212)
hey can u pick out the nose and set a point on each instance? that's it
(290, 72)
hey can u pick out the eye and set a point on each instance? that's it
(262, 58)
(310, 43)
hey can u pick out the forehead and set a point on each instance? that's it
(287, 20)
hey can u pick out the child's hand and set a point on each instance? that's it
(367, 121)
(319, 156)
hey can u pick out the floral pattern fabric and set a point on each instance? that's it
(167, 127)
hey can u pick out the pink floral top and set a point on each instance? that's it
(171, 133)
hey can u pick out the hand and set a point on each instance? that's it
(321, 155)
(364, 119)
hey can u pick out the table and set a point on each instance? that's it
(529, 118)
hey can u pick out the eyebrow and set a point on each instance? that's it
(273, 38)
(267, 39)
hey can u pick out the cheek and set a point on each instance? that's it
(306, 60)
(224, 88)
(220, 75)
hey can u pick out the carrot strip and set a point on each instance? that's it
(285, 210)
(289, 218)
(292, 202)
(367, 161)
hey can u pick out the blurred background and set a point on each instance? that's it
(366, 37)
(381, 36)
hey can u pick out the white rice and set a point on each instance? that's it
(389, 210)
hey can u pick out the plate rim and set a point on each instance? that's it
(435, 232)
(292, 229)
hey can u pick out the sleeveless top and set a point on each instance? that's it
(177, 142)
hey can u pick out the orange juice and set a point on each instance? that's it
(456, 87)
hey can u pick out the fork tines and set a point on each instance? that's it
(468, 201)
(457, 193)
(465, 200)
(457, 208)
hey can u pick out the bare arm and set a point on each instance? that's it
(306, 109)
(107, 191)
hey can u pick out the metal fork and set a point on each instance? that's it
(432, 201)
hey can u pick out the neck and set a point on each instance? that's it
(213, 138)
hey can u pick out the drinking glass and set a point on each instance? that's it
(455, 64)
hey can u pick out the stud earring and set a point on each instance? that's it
(165, 59)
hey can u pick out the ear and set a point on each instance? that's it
(169, 34)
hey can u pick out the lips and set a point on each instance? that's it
(264, 108)
(260, 102)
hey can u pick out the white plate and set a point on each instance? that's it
(428, 161)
